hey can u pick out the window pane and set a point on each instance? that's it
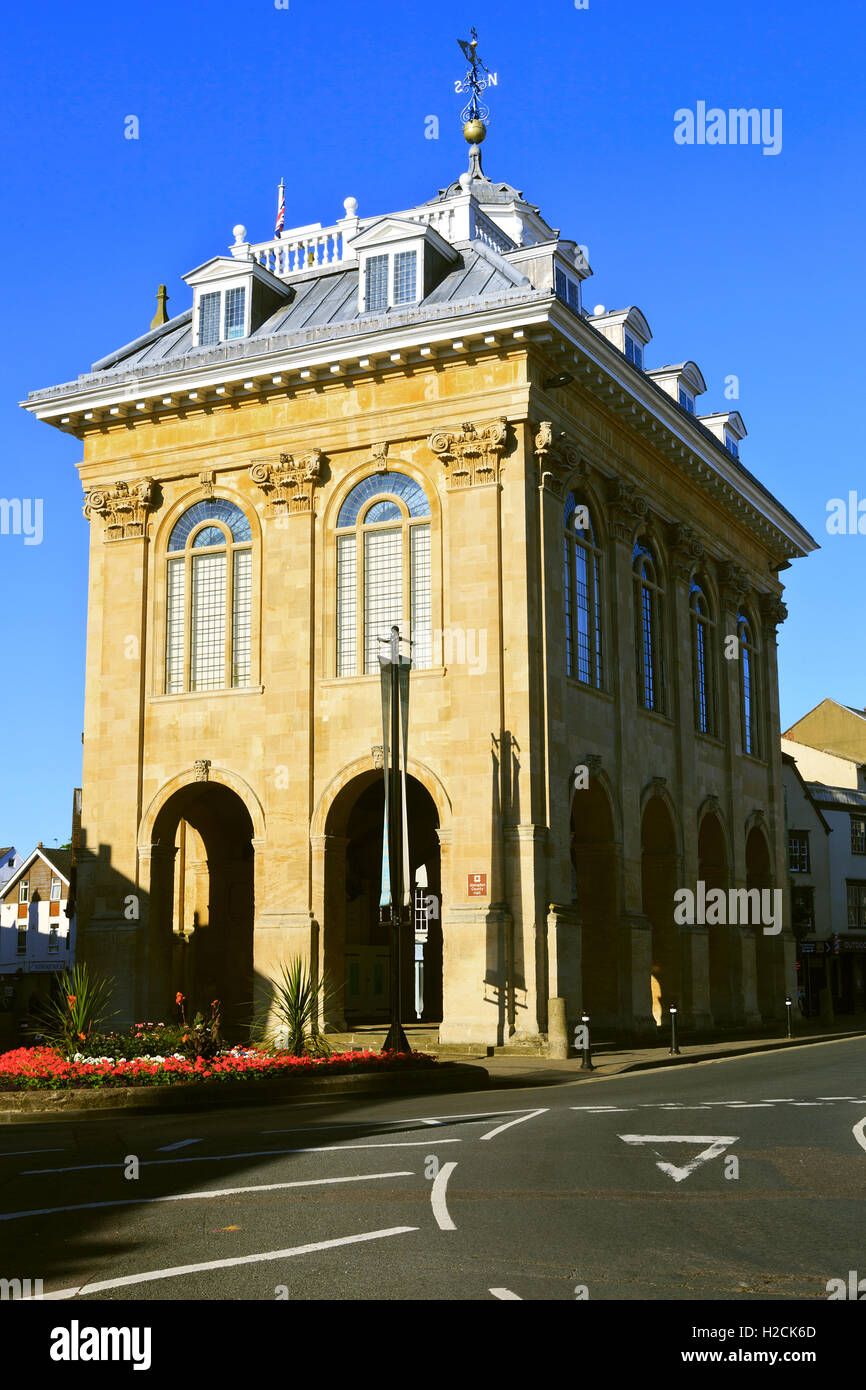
(747, 700)
(241, 616)
(569, 617)
(209, 319)
(175, 604)
(383, 590)
(703, 712)
(396, 483)
(234, 327)
(383, 511)
(214, 509)
(582, 614)
(560, 284)
(377, 283)
(419, 540)
(404, 276)
(208, 622)
(346, 607)
(599, 664)
(647, 646)
(211, 535)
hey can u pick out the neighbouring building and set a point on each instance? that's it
(836, 948)
(412, 418)
(9, 862)
(37, 932)
(809, 870)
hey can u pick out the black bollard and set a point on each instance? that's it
(674, 1049)
(790, 1032)
(586, 1060)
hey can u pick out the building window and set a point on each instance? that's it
(857, 906)
(582, 583)
(687, 400)
(209, 599)
(566, 289)
(376, 283)
(731, 444)
(383, 571)
(24, 891)
(648, 596)
(798, 852)
(858, 835)
(703, 661)
(802, 910)
(53, 943)
(748, 686)
(209, 319)
(234, 312)
(405, 263)
(21, 947)
(55, 890)
(633, 350)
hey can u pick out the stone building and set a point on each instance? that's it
(413, 418)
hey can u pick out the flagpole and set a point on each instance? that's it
(396, 1041)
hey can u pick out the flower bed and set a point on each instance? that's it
(44, 1068)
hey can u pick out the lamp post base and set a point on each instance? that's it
(396, 1040)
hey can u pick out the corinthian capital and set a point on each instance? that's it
(288, 482)
(471, 455)
(123, 508)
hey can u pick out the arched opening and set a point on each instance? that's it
(202, 896)
(357, 943)
(724, 972)
(768, 956)
(594, 858)
(658, 885)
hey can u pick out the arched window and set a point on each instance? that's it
(208, 599)
(582, 582)
(749, 694)
(383, 571)
(648, 599)
(703, 660)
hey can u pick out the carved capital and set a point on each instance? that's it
(773, 612)
(626, 509)
(685, 549)
(123, 508)
(733, 583)
(207, 478)
(202, 769)
(289, 483)
(557, 457)
(471, 455)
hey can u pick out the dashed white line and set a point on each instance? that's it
(181, 1144)
(519, 1121)
(255, 1153)
(81, 1290)
(437, 1197)
(198, 1196)
(506, 1295)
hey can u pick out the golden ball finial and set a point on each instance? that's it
(474, 132)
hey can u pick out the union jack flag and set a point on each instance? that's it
(281, 211)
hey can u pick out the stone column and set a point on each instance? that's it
(329, 908)
(564, 969)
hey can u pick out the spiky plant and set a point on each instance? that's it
(290, 1012)
(77, 1009)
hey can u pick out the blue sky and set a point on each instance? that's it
(749, 263)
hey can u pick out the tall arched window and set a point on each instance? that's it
(582, 582)
(383, 571)
(648, 600)
(703, 660)
(749, 693)
(208, 599)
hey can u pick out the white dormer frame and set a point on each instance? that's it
(728, 427)
(619, 324)
(217, 276)
(389, 237)
(685, 377)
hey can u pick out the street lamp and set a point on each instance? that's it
(394, 673)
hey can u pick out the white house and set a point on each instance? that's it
(36, 934)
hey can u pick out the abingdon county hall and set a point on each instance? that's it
(412, 419)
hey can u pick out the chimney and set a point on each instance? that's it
(161, 315)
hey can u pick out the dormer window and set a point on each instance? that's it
(687, 400)
(399, 262)
(377, 283)
(633, 351)
(405, 276)
(233, 296)
(566, 289)
(731, 444)
(390, 280)
(221, 310)
(234, 312)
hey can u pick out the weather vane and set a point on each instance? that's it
(478, 78)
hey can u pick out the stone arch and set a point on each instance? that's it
(321, 822)
(182, 504)
(369, 468)
(595, 857)
(220, 775)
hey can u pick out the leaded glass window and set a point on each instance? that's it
(649, 657)
(208, 636)
(405, 275)
(703, 660)
(377, 283)
(209, 319)
(234, 312)
(748, 686)
(582, 582)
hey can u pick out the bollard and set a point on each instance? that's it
(674, 1049)
(790, 1032)
(557, 1033)
(582, 1043)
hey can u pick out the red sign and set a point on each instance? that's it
(476, 886)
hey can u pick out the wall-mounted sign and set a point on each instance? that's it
(476, 886)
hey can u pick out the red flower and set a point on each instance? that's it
(179, 998)
(70, 999)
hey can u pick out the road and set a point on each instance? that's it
(615, 1188)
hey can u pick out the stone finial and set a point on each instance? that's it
(471, 455)
(351, 206)
(239, 233)
(161, 315)
(123, 508)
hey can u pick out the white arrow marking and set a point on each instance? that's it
(519, 1121)
(506, 1295)
(437, 1197)
(717, 1144)
(859, 1132)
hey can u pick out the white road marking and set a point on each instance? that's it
(181, 1144)
(506, 1295)
(753, 1104)
(437, 1197)
(475, 1115)
(152, 1274)
(255, 1153)
(837, 1097)
(19, 1153)
(197, 1196)
(859, 1132)
(717, 1144)
(805, 1102)
(499, 1128)
(778, 1100)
